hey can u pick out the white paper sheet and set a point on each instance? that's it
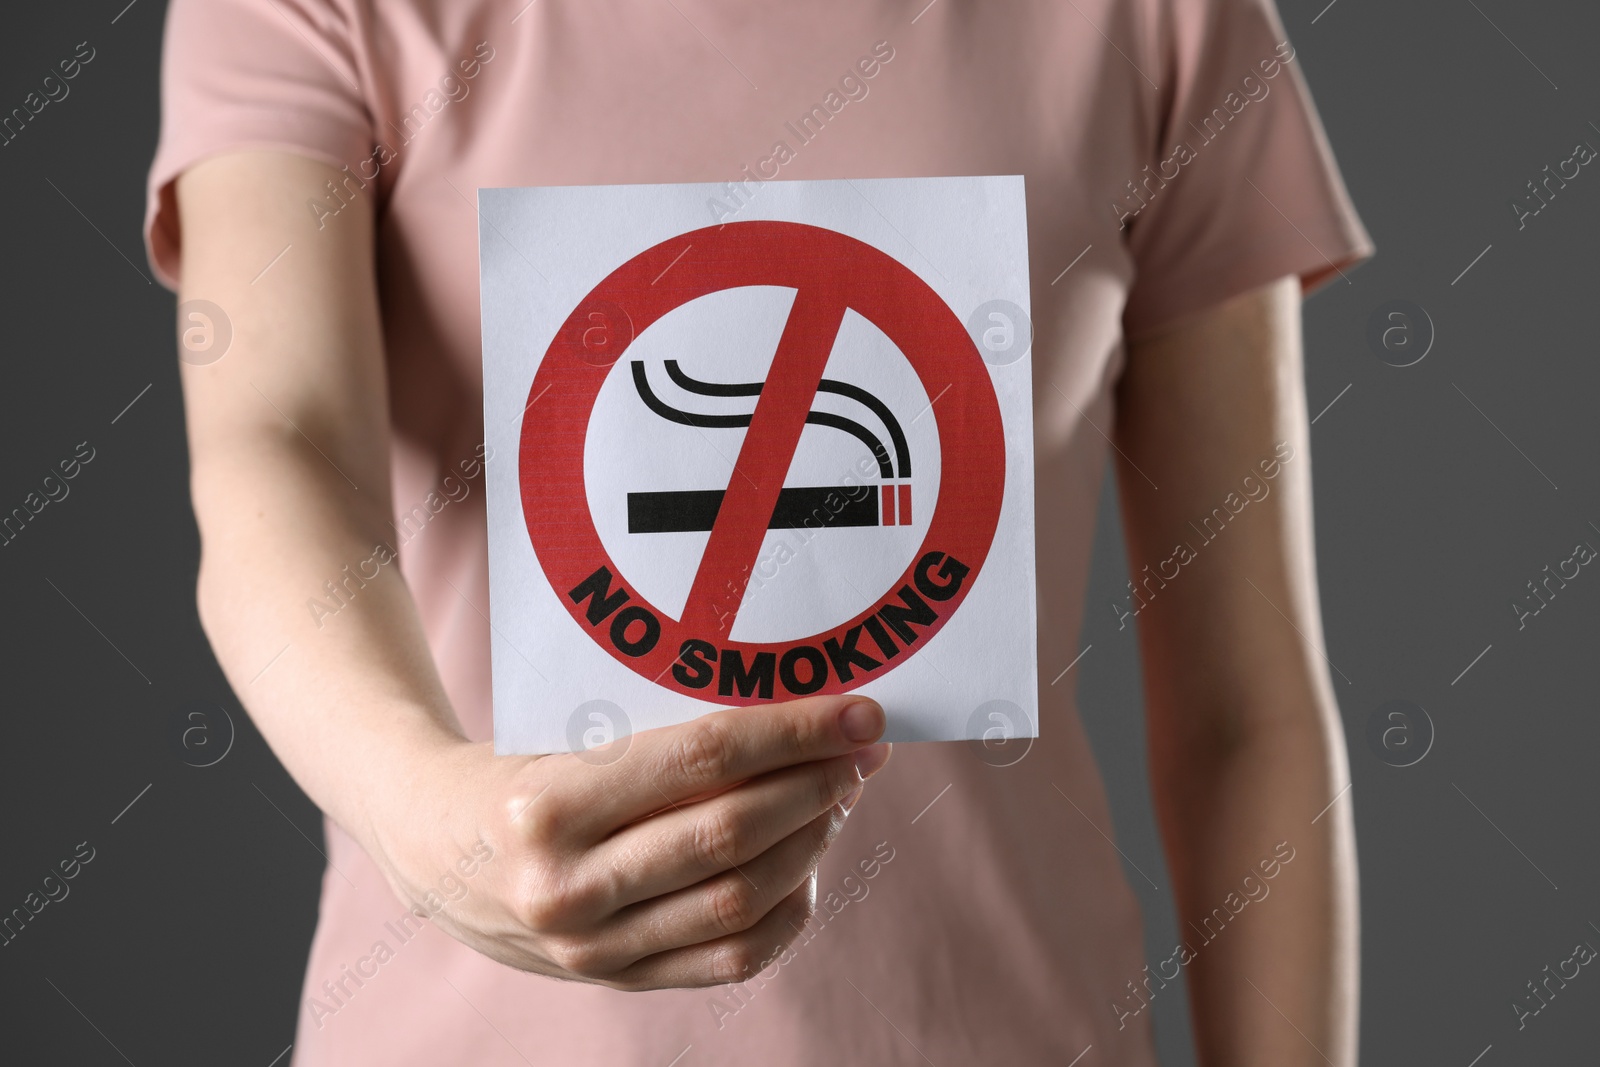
(868, 341)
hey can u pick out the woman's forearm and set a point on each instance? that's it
(1266, 894)
(344, 697)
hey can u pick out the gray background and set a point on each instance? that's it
(1441, 489)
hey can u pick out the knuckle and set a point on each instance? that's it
(834, 781)
(705, 754)
(797, 733)
(733, 905)
(823, 831)
(550, 903)
(717, 839)
(537, 913)
(735, 961)
(535, 815)
(583, 959)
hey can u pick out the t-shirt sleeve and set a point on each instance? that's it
(1241, 186)
(279, 74)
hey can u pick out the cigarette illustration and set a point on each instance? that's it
(692, 510)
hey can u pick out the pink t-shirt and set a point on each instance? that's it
(1172, 159)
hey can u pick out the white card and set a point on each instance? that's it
(751, 443)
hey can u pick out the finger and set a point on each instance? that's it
(674, 763)
(690, 843)
(734, 958)
(729, 903)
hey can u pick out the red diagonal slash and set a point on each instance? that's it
(764, 460)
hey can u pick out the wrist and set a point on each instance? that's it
(393, 799)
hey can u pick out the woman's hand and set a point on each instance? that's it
(688, 861)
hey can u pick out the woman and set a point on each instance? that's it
(315, 183)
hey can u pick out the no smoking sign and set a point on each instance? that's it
(757, 460)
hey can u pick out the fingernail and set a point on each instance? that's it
(870, 761)
(850, 801)
(862, 721)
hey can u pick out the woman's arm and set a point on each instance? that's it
(1245, 741)
(590, 878)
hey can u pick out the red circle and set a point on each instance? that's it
(795, 256)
